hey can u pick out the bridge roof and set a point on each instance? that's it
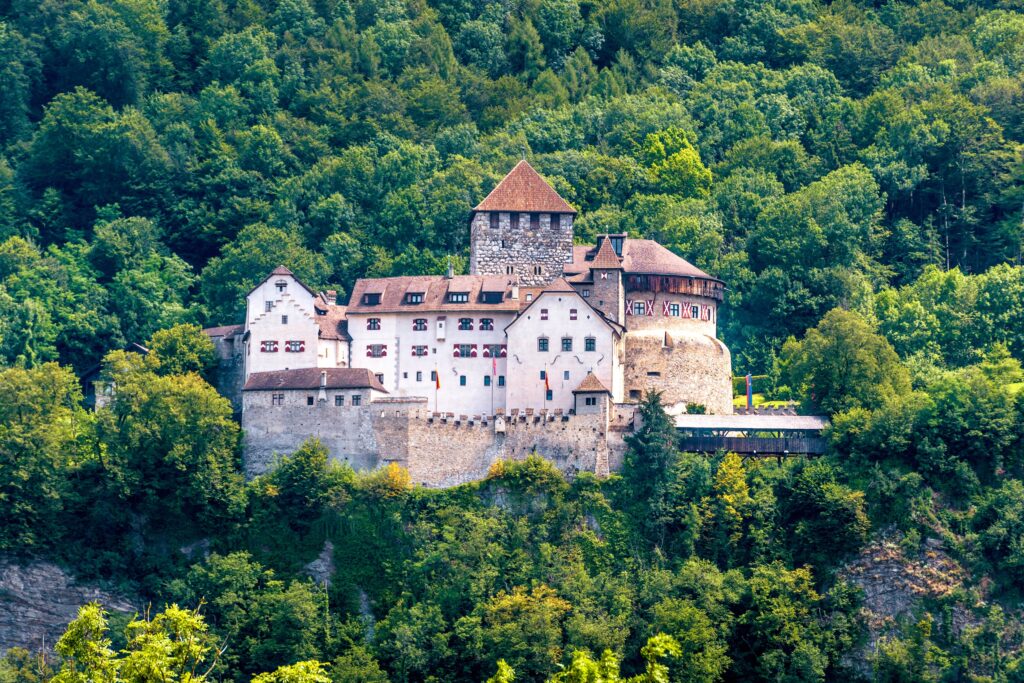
(744, 423)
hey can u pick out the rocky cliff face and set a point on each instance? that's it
(38, 600)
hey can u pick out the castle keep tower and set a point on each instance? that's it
(523, 228)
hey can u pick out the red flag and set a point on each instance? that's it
(494, 365)
(547, 385)
(437, 379)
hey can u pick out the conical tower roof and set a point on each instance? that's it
(523, 190)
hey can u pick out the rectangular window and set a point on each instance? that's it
(543, 374)
(339, 399)
(458, 297)
(542, 344)
(673, 310)
(433, 375)
(462, 380)
(309, 400)
(639, 308)
(373, 323)
(565, 375)
(356, 399)
(419, 351)
(487, 380)
(414, 298)
(694, 312)
(550, 395)
(419, 375)
(294, 346)
(268, 346)
(419, 325)
(567, 343)
(486, 324)
(543, 314)
(277, 399)
(501, 380)
(556, 221)
(585, 293)
(591, 401)
(465, 350)
(513, 222)
(465, 323)
(534, 221)
(573, 314)
(529, 297)
(494, 220)
(376, 350)
(268, 306)
(371, 299)
(590, 344)
(492, 297)
(284, 320)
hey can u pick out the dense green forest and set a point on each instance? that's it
(854, 171)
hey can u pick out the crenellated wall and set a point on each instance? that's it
(437, 451)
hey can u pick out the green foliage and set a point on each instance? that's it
(843, 363)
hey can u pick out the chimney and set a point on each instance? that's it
(451, 269)
(330, 296)
(515, 291)
(321, 397)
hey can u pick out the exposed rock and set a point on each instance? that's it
(895, 582)
(321, 570)
(38, 600)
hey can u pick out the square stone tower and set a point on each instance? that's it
(523, 229)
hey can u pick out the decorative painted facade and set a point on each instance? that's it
(542, 337)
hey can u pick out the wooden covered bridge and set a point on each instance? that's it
(753, 435)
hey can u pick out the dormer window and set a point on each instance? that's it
(414, 298)
(281, 285)
(617, 244)
(371, 299)
(491, 297)
(458, 297)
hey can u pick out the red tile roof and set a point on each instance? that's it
(590, 385)
(435, 289)
(524, 190)
(309, 378)
(606, 257)
(639, 257)
(333, 322)
(559, 285)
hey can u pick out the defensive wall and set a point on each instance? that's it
(685, 368)
(438, 449)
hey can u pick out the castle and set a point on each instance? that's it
(546, 345)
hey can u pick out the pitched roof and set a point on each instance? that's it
(333, 322)
(281, 270)
(435, 289)
(309, 378)
(590, 385)
(606, 258)
(223, 330)
(568, 289)
(640, 257)
(559, 285)
(524, 190)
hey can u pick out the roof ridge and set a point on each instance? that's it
(523, 189)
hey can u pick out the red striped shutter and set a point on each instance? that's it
(649, 307)
(664, 308)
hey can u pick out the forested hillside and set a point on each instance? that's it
(853, 171)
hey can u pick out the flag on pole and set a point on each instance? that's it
(437, 379)
(547, 384)
(494, 365)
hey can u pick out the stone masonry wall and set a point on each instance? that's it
(492, 251)
(436, 452)
(685, 368)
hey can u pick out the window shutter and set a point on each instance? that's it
(472, 351)
(649, 307)
(629, 307)
(664, 307)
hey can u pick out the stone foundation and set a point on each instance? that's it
(437, 451)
